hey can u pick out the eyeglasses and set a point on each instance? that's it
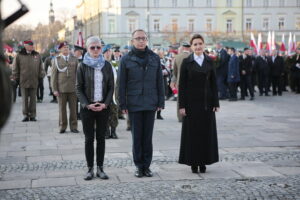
(95, 47)
(141, 39)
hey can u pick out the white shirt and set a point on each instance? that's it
(66, 58)
(273, 58)
(199, 59)
(98, 78)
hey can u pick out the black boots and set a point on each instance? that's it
(202, 169)
(89, 174)
(100, 173)
(111, 133)
(158, 115)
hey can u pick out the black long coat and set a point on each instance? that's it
(198, 94)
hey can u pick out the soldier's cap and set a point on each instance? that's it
(106, 48)
(117, 49)
(76, 48)
(62, 44)
(29, 42)
(246, 48)
(102, 43)
(185, 44)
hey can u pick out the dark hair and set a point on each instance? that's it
(232, 49)
(196, 36)
(138, 30)
(246, 48)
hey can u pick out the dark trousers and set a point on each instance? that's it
(222, 87)
(91, 120)
(142, 124)
(232, 90)
(276, 85)
(297, 84)
(246, 83)
(263, 83)
(40, 89)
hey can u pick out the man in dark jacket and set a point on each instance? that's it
(246, 70)
(221, 72)
(276, 65)
(233, 74)
(263, 69)
(141, 93)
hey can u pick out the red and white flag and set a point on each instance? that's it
(290, 49)
(253, 43)
(294, 43)
(273, 43)
(259, 43)
(282, 46)
(80, 41)
(269, 42)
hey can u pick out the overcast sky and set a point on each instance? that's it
(39, 10)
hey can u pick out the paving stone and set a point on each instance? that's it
(8, 185)
(50, 182)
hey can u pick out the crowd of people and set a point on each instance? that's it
(102, 83)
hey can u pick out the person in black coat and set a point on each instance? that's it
(295, 70)
(233, 77)
(221, 72)
(198, 102)
(263, 69)
(276, 65)
(246, 70)
(141, 94)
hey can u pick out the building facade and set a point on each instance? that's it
(172, 21)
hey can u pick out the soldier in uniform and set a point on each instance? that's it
(48, 70)
(113, 107)
(27, 70)
(186, 50)
(63, 85)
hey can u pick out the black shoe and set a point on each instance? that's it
(128, 129)
(159, 117)
(148, 172)
(121, 117)
(194, 169)
(107, 133)
(252, 98)
(113, 133)
(260, 94)
(74, 131)
(267, 95)
(25, 119)
(242, 98)
(101, 174)
(138, 173)
(89, 174)
(279, 94)
(233, 99)
(62, 131)
(202, 168)
(33, 119)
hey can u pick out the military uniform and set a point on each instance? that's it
(63, 80)
(176, 74)
(27, 70)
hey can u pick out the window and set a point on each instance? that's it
(174, 3)
(265, 24)
(298, 3)
(191, 25)
(174, 25)
(208, 3)
(156, 3)
(156, 25)
(191, 3)
(248, 24)
(298, 23)
(110, 3)
(131, 3)
(281, 3)
(229, 25)
(132, 25)
(229, 3)
(208, 25)
(266, 3)
(111, 26)
(281, 23)
(249, 3)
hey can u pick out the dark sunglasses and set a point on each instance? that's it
(95, 47)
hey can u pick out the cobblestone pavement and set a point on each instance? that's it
(259, 146)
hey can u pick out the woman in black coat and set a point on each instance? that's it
(198, 102)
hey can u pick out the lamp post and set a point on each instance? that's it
(148, 20)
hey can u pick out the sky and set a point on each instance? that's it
(39, 10)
